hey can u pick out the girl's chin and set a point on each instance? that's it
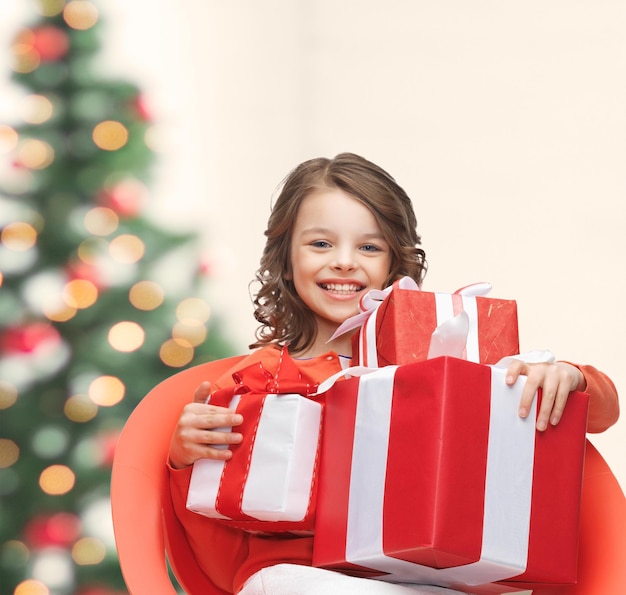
(331, 322)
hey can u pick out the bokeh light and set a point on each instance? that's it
(110, 135)
(176, 354)
(155, 139)
(58, 312)
(18, 236)
(43, 291)
(57, 480)
(9, 453)
(8, 394)
(60, 529)
(53, 566)
(126, 336)
(127, 196)
(13, 262)
(35, 154)
(51, 43)
(18, 180)
(101, 221)
(192, 332)
(50, 8)
(106, 391)
(50, 441)
(80, 14)
(106, 272)
(14, 553)
(97, 522)
(90, 251)
(127, 249)
(80, 409)
(31, 587)
(88, 551)
(146, 295)
(194, 309)
(80, 294)
(8, 138)
(36, 109)
(26, 57)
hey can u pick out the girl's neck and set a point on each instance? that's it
(341, 346)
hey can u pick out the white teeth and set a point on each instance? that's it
(342, 287)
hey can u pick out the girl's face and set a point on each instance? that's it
(338, 253)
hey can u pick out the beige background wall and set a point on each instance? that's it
(504, 120)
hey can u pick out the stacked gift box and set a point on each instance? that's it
(440, 481)
(425, 474)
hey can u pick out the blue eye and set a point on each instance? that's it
(320, 244)
(370, 248)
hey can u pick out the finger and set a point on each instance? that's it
(529, 390)
(215, 444)
(548, 396)
(202, 392)
(219, 437)
(559, 405)
(220, 417)
(208, 417)
(218, 454)
(206, 451)
(553, 397)
(529, 393)
(514, 370)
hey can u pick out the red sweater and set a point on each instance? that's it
(230, 556)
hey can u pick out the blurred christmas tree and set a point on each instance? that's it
(97, 303)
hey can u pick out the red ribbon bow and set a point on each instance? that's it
(288, 379)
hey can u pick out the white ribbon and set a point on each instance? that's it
(457, 335)
(282, 464)
(508, 487)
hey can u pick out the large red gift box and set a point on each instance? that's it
(403, 325)
(428, 475)
(270, 482)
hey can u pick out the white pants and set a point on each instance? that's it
(292, 579)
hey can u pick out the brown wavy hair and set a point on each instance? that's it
(284, 317)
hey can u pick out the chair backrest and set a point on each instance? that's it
(143, 518)
(602, 545)
(147, 530)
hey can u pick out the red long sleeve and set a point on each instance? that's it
(603, 399)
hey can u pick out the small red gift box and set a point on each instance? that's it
(269, 484)
(403, 325)
(428, 475)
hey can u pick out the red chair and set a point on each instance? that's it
(148, 533)
(146, 528)
(602, 546)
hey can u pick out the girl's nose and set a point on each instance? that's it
(344, 260)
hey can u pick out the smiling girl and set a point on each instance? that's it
(340, 227)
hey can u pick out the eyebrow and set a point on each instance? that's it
(325, 230)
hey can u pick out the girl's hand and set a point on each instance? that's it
(196, 435)
(556, 381)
